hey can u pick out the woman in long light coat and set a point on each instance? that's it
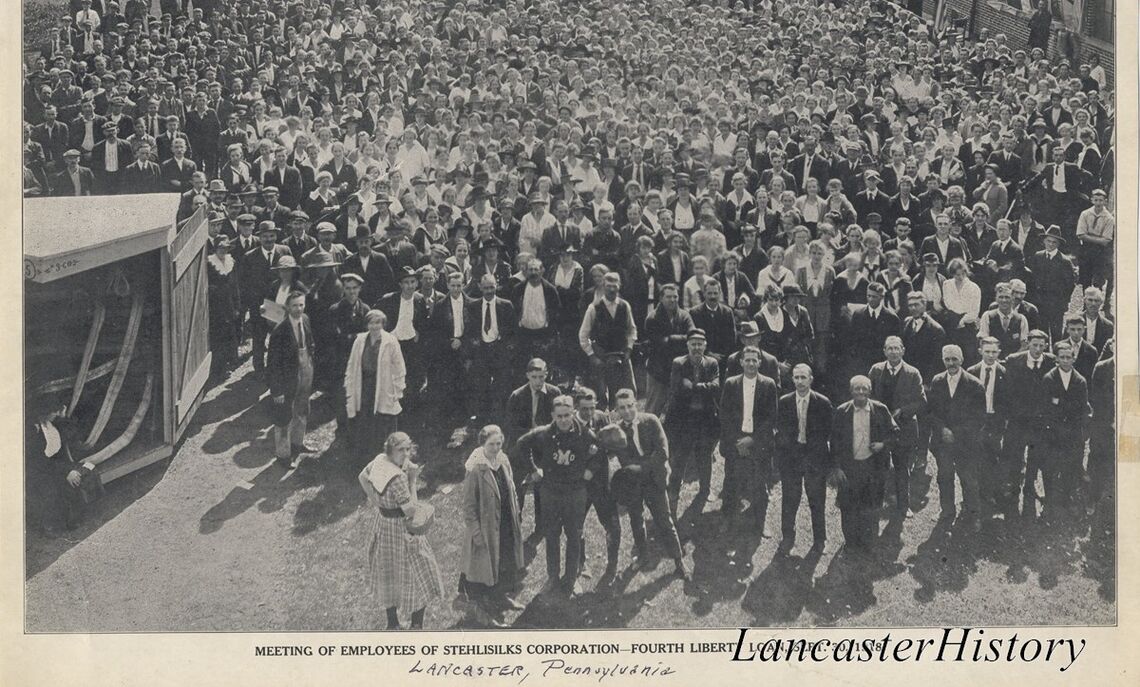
(373, 386)
(492, 547)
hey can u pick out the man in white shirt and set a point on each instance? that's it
(606, 336)
(491, 326)
(407, 314)
(536, 301)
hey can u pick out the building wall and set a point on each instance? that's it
(999, 17)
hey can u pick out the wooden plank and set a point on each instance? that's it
(125, 464)
(193, 388)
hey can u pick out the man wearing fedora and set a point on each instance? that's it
(289, 367)
(638, 440)
(256, 277)
(371, 266)
(1053, 281)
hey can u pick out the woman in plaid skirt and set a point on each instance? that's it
(402, 566)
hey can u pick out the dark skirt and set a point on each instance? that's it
(368, 430)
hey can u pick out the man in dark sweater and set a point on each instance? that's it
(565, 457)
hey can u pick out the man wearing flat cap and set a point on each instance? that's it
(371, 266)
(691, 416)
(109, 160)
(73, 179)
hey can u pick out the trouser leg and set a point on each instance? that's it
(815, 484)
(573, 518)
(791, 491)
(656, 394)
(659, 507)
(552, 525)
(944, 460)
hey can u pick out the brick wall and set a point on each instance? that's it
(999, 17)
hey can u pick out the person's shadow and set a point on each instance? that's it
(722, 559)
(943, 562)
(780, 592)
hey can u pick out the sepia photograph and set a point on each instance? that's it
(463, 315)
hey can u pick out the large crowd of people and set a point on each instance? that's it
(820, 236)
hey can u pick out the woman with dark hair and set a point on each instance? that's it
(772, 319)
(403, 569)
(225, 306)
(963, 300)
(492, 549)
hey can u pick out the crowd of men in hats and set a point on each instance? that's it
(817, 235)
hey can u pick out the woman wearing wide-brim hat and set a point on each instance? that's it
(403, 570)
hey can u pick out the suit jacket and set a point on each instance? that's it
(719, 326)
(281, 358)
(1087, 357)
(910, 396)
(76, 131)
(665, 272)
(174, 179)
(504, 314)
(924, 347)
(142, 177)
(818, 430)
(842, 440)
(1053, 280)
(255, 273)
(647, 446)
(288, 183)
(519, 407)
(765, 402)
(1025, 385)
(389, 303)
(1102, 393)
(954, 249)
(819, 170)
(865, 203)
(102, 176)
(379, 279)
(552, 243)
(55, 139)
(699, 401)
(442, 323)
(867, 334)
(1002, 385)
(963, 413)
(61, 185)
(1105, 330)
(666, 337)
(1008, 165)
(549, 296)
(1067, 411)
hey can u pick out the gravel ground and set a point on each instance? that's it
(221, 539)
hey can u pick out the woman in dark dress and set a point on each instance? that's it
(225, 307)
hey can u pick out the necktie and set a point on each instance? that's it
(486, 317)
(802, 407)
(986, 379)
(300, 336)
(1033, 365)
(533, 408)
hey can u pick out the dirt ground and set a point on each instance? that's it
(219, 538)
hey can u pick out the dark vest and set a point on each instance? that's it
(1010, 339)
(610, 333)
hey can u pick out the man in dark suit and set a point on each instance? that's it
(922, 337)
(286, 178)
(1006, 162)
(1086, 356)
(109, 161)
(643, 451)
(995, 384)
(1024, 443)
(177, 172)
(691, 417)
(300, 242)
(255, 274)
(491, 342)
(142, 175)
(957, 407)
(1099, 330)
(558, 236)
(73, 179)
(1067, 412)
(372, 266)
(747, 438)
(529, 406)
(871, 198)
(1063, 198)
(898, 385)
(809, 164)
(666, 331)
(803, 426)
(1053, 282)
(862, 433)
(942, 244)
(870, 326)
(54, 136)
(447, 344)
(718, 322)
(290, 375)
